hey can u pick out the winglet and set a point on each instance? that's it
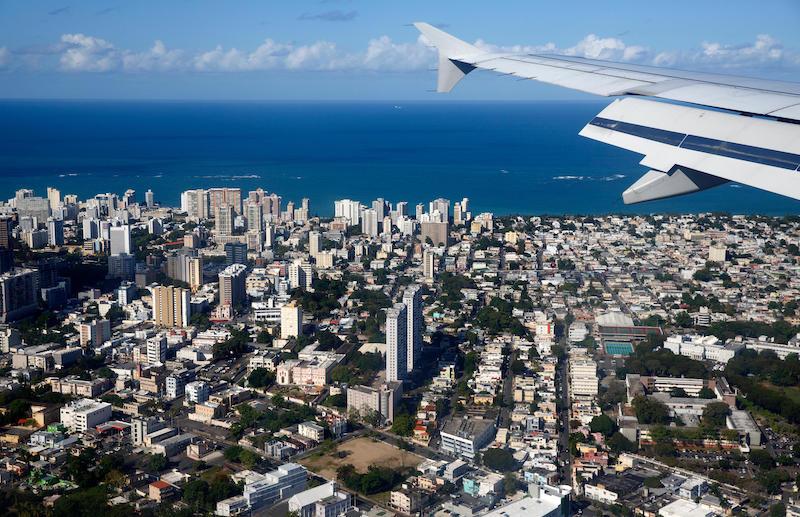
(450, 48)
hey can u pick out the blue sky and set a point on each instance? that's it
(363, 49)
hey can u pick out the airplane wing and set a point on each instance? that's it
(751, 134)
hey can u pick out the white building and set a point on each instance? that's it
(466, 436)
(312, 431)
(396, 343)
(265, 489)
(583, 381)
(321, 501)
(700, 347)
(156, 349)
(83, 414)
(291, 320)
(120, 239)
(197, 392)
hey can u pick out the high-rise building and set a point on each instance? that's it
(171, 306)
(437, 232)
(155, 226)
(235, 253)
(195, 204)
(396, 343)
(6, 244)
(54, 198)
(149, 199)
(187, 266)
(122, 266)
(442, 206)
(156, 349)
(254, 213)
(94, 333)
(429, 260)
(126, 293)
(225, 196)
(291, 320)
(369, 223)
(348, 210)
(419, 211)
(401, 209)
(412, 298)
(232, 285)
(18, 297)
(55, 232)
(120, 237)
(314, 243)
(379, 205)
(301, 275)
(224, 219)
(10, 338)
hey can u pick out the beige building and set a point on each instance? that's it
(291, 320)
(171, 306)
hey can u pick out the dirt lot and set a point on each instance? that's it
(361, 453)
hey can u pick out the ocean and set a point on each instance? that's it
(506, 157)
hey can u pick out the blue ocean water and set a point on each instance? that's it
(506, 157)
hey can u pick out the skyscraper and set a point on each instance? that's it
(291, 320)
(429, 264)
(396, 343)
(369, 224)
(232, 285)
(412, 299)
(120, 237)
(54, 198)
(224, 219)
(348, 210)
(156, 349)
(195, 204)
(171, 306)
(254, 213)
(18, 297)
(235, 253)
(225, 196)
(149, 199)
(314, 243)
(442, 206)
(301, 275)
(55, 232)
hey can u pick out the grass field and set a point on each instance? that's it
(361, 453)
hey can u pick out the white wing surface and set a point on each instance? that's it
(755, 141)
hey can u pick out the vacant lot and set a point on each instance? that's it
(361, 453)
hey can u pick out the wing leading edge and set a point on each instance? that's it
(713, 147)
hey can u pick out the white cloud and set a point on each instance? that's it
(80, 52)
(158, 57)
(5, 57)
(88, 54)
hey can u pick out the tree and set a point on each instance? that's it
(678, 392)
(518, 367)
(762, 459)
(649, 411)
(233, 452)
(157, 462)
(603, 424)
(264, 337)
(706, 393)
(248, 458)
(260, 378)
(618, 443)
(714, 414)
(682, 319)
(499, 459)
(403, 425)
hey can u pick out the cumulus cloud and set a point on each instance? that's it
(330, 16)
(85, 53)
